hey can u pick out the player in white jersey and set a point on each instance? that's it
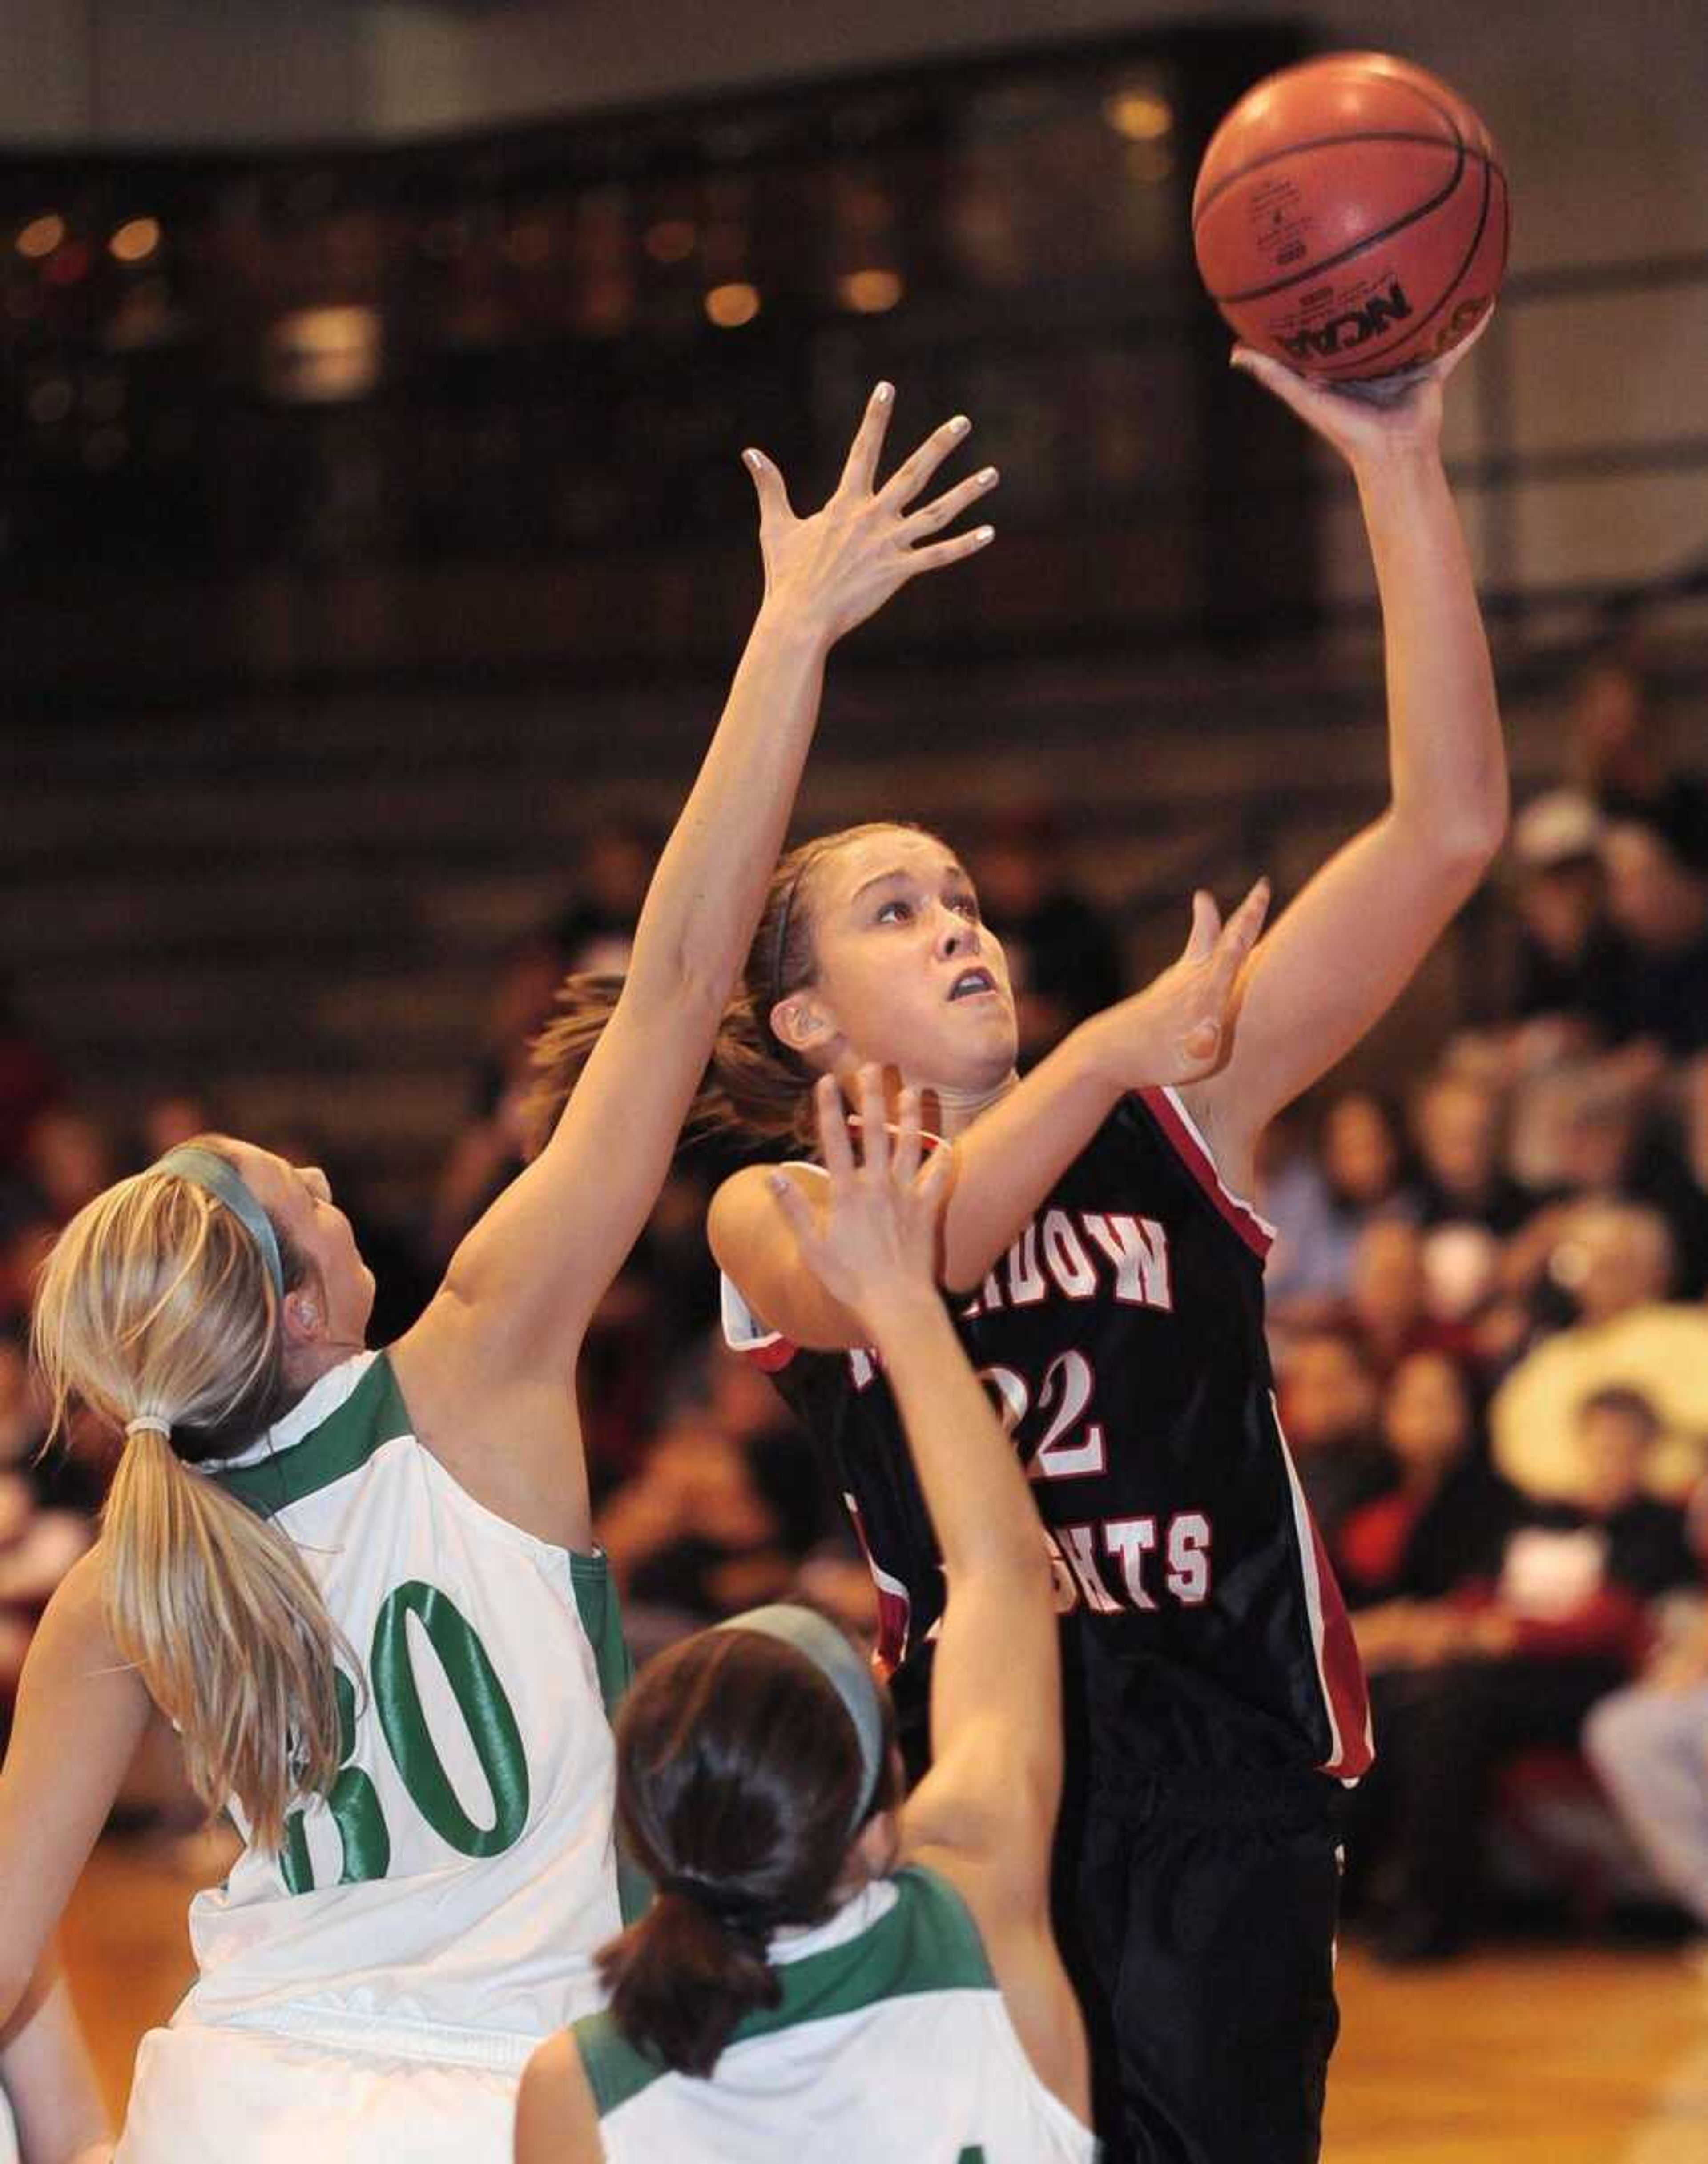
(362, 1586)
(821, 1974)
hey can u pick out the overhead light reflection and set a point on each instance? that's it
(41, 236)
(871, 292)
(1142, 115)
(730, 307)
(135, 241)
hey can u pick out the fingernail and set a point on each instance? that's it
(986, 479)
(959, 425)
(984, 533)
(778, 1182)
(884, 393)
(752, 459)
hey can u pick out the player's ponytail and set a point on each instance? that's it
(157, 1310)
(737, 1775)
(753, 1083)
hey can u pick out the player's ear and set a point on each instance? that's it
(803, 1023)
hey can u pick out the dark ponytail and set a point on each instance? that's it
(737, 1773)
(754, 1085)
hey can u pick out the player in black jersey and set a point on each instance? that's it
(1107, 1277)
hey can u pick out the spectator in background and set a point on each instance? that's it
(1319, 1203)
(63, 1158)
(1568, 994)
(1649, 1746)
(174, 1118)
(1619, 755)
(721, 1514)
(595, 932)
(1064, 957)
(1328, 1400)
(490, 1149)
(1659, 901)
(1616, 1142)
(592, 935)
(1498, 1664)
(68, 1159)
(1614, 1260)
(1387, 1311)
(1441, 1524)
(1456, 1125)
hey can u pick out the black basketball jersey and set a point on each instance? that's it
(1122, 1339)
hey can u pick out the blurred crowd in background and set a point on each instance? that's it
(1488, 1318)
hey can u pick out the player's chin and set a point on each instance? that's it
(987, 1037)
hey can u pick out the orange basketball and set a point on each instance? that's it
(1350, 216)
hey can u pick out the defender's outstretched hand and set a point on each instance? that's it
(840, 565)
(876, 1244)
(1364, 420)
(1179, 1027)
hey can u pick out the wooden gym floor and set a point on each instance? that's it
(1587, 2055)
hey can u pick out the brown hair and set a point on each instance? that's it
(753, 1083)
(155, 1304)
(738, 1773)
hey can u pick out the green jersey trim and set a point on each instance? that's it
(925, 1941)
(373, 1414)
(601, 1621)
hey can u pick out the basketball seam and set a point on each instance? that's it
(1366, 354)
(1370, 240)
(1444, 113)
(1328, 142)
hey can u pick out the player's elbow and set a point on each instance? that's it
(1460, 844)
(1478, 833)
(1471, 847)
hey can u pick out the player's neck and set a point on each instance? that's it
(949, 1111)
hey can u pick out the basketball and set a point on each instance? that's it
(1350, 216)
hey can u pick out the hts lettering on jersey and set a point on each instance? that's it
(1114, 1565)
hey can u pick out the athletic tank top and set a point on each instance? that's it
(1122, 1337)
(891, 2045)
(461, 1872)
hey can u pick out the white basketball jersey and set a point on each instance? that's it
(891, 2045)
(461, 1872)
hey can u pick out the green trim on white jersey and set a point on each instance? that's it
(373, 1414)
(926, 1942)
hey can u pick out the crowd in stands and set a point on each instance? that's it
(1488, 1302)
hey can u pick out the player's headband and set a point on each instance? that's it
(207, 1169)
(779, 944)
(842, 1668)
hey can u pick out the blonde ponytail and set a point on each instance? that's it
(217, 1614)
(155, 1310)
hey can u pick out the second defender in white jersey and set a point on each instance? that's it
(360, 1588)
(890, 2025)
(824, 1971)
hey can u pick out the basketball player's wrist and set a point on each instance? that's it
(1397, 467)
(791, 629)
(906, 1320)
(1106, 1057)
